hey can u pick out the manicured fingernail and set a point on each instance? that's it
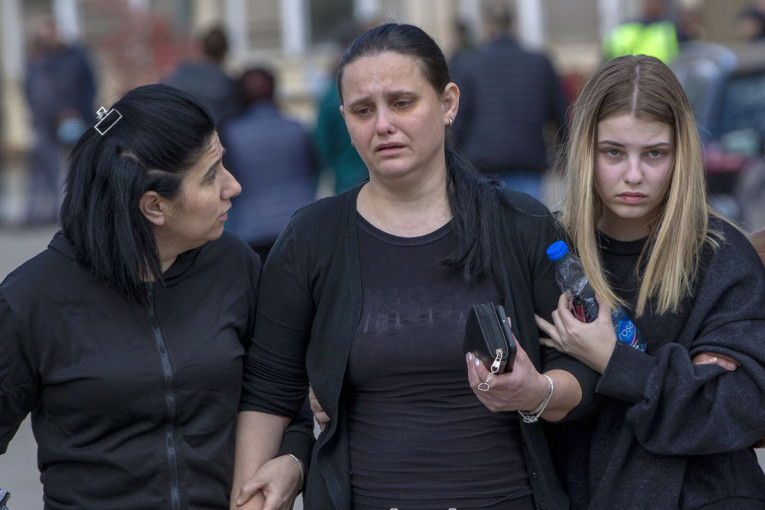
(477, 362)
(469, 357)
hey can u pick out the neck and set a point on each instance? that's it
(413, 213)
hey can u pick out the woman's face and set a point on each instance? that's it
(197, 215)
(395, 118)
(633, 162)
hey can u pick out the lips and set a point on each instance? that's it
(388, 146)
(630, 197)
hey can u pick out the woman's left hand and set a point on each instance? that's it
(523, 387)
(278, 481)
(591, 343)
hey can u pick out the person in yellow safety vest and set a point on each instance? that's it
(655, 36)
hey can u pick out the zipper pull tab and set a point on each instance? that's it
(497, 361)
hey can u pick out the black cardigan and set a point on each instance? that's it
(310, 305)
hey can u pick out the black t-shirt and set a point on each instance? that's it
(419, 437)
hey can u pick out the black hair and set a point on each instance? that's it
(162, 133)
(256, 84)
(466, 188)
(215, 44)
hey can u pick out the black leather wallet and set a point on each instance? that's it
(488, 336)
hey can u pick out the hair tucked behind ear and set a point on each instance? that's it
(162, 133)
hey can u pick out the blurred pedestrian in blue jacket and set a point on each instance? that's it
(60, 89)
(205, 77)
(271, 156)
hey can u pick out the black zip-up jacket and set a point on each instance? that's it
(132, 406)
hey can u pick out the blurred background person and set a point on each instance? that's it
(751, 21)
(336, 154)
(512, 106)
(463, 44)
(60, 89)
(654, 34)
(206, 78)
(271, 155)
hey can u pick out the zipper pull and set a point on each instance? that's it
(497, 361)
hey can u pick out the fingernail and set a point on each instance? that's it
(477, 362)
(469, 357)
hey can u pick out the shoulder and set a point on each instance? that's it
(53, 271)
(734, 254)
(228, 248)
(520, 203)
(325, 212)
(522, 217)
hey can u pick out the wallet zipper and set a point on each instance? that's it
(497, 361)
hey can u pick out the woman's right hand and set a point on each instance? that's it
(319, 415)
(712, 358)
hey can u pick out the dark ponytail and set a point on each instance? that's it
(162, 133)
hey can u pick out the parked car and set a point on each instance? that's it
(726, 86)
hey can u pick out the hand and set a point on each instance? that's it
(273, 487)
(591, 343)
(523, 387)
(319, 415)
(711, 358)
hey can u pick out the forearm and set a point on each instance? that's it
(566, 396)
(258, 437)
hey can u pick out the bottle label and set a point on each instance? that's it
(626, 332)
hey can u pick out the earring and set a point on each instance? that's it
(352, 144)
(451, 120)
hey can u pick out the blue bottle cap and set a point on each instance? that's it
(557, 250)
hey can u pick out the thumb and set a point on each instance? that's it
(249, 489)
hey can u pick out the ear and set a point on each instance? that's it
(151, 206)
(450, 100)
(342, 111)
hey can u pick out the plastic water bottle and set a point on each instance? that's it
(572, 281)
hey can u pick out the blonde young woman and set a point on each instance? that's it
(677, 422)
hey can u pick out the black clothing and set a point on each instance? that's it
(305, 327)
(670, 434)
(407, 385)
(508, 95)
(132, 407)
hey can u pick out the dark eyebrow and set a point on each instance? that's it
(214, 164)
(393, 94)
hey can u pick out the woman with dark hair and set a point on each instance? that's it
(366, 296)
(125, 338)
(675, 424)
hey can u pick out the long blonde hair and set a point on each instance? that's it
(645, 87)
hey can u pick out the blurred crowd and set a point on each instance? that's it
(510, 124)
